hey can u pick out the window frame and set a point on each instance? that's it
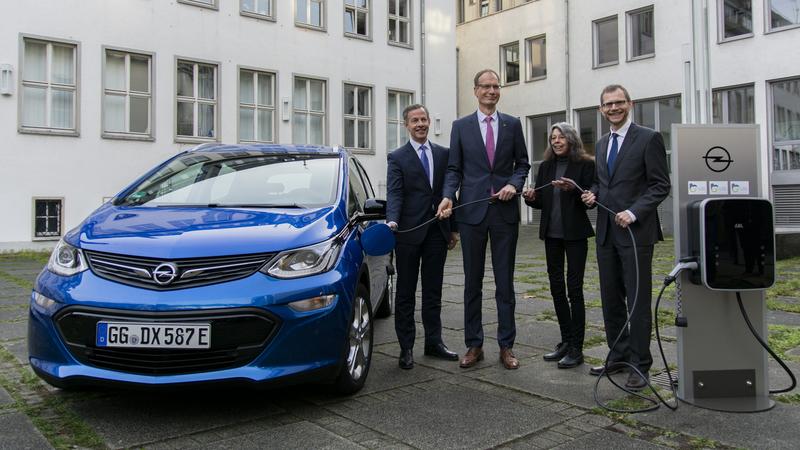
(194, 139)
(356, 9)
(725, 107)
(255, 105)
(529, 57)
(398, 18)
(323, 16)
(309, 112)
(402, 132)
(128, 135)
(214, 4)
(596, 45)
(721, 24)
(60, 234)
(768, 29)
(629, 36)
(268, 17)
(21, 83)
(504, 64)
(370, 150)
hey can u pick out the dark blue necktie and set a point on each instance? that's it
(612, 154)
(425, 163)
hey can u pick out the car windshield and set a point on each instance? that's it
(243, 179)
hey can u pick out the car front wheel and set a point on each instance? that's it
(358, 348)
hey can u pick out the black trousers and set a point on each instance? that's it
(568, 300)
(618, 282)
(502, 237)
(432, 253)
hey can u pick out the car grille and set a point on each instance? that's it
(237, 337)
(162, 274)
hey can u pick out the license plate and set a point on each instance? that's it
(153, 335)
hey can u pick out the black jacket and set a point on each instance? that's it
(573, 210)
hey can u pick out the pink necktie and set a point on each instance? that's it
(489, 140)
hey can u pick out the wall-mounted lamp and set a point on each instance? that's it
(437, 124)
(6, 79)
(285, 115)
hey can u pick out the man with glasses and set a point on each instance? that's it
(631, 179)
(488, 158)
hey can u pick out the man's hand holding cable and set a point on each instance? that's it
(451, 244)
(624, 218)
(445, 209)
(507, 193)
(588, 198)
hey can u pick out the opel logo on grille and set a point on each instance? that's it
(165, 273)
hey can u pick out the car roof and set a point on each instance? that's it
(268, 149)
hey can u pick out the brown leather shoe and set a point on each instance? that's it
(473, 355)
(508, 359)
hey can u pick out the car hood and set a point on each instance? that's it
(173, 233)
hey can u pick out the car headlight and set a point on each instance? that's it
(302, 262)
(66, 260)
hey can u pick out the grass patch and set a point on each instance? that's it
(547, 315)
(783, 338)
(791, 399)
(21, 282)
(775, 305)
(592, 341)
(593, 304)
(700, 442)
(36, 255)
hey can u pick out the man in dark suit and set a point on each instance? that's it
(632, 180)
(488, 157)
(414, 187)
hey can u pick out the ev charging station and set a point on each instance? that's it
(724, 222)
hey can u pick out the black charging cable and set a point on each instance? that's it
(767, 348)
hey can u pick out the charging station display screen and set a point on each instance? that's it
(739, 244)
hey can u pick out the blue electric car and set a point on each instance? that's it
(226, 263)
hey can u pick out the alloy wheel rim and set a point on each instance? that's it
(360, 340)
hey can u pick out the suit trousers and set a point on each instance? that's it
(432, 253)
(503, 240)
(618, 283)
(568, 300)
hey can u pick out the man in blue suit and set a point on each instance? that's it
(488, 157)
(414, 186)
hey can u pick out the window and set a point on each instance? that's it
(540, 133)
(400, 22)
(484, 8)
(591, 125)
(498, 5)
(196, 98)
(203, 3)
(308, 111)
(537, 57)
(396, 102)
(260, 9)
(641, 41)
(786, 124)
(127, 95)
(735, 18)
(256, 106)
(783, 13)
(460, 11)
(659, 115)
(606, 42)
(310, 13)
(734, 105)
(357, 117)
(509, 63)
(49, 87)
(356, 18)
(47, 214)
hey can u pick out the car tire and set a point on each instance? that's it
(386, 305)
(358, 346)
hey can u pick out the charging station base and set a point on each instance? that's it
(732, 404)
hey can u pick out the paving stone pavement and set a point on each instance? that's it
(437, 405)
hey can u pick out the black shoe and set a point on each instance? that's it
(440, 351)
(561, 351)
(406, 359)
(574, 358)
(635, 382)
(614, 367)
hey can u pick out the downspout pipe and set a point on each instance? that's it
(422, 50)
(567, 100)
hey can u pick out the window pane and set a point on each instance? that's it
(248, 5)
(402, 8)
(737, 18)
(391, 136)
(299, 125)
(317, 95)
(205, 125)
(393, 6)
(784, 12)
(185, 119)
(264, 7)
(405, 100)
(246, 124)
(34, 106)
(644, 113)
(349, 133)
(786, 112)
(361, 25)
(35, 61)
(140, 113)
(115, 71)
(265, 89)
(642, 39)
(364, 108)
(538, 58)
(114, 113)
(511, 60)
(716, 107)
(392, 30)
(403, 32)
(391, 106)
(299, 100)
(265, 125)
(349, 20)
(349, 106)
(316, 14)
(607, 42)
(741, 105)
(61, 111)
(587, 121)
(301, 11)
(205, 77)
(63, 70)
(316, 130)
(539, 131)
(669, 112)
(140, 74)
(246, 87)
(363, 134)
(185, 79)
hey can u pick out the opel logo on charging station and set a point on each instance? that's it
(165, 273)
(718, 159)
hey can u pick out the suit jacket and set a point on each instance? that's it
(573, 210)
(640, 183)
(410, 198)
(469, 169)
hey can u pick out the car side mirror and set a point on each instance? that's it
(375, 207)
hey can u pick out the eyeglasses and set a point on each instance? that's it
(614, 104)
(496, 87)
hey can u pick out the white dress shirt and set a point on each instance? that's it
(428, 153)
(495, 124)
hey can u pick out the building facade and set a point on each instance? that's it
(94, 93)
(555, 56)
